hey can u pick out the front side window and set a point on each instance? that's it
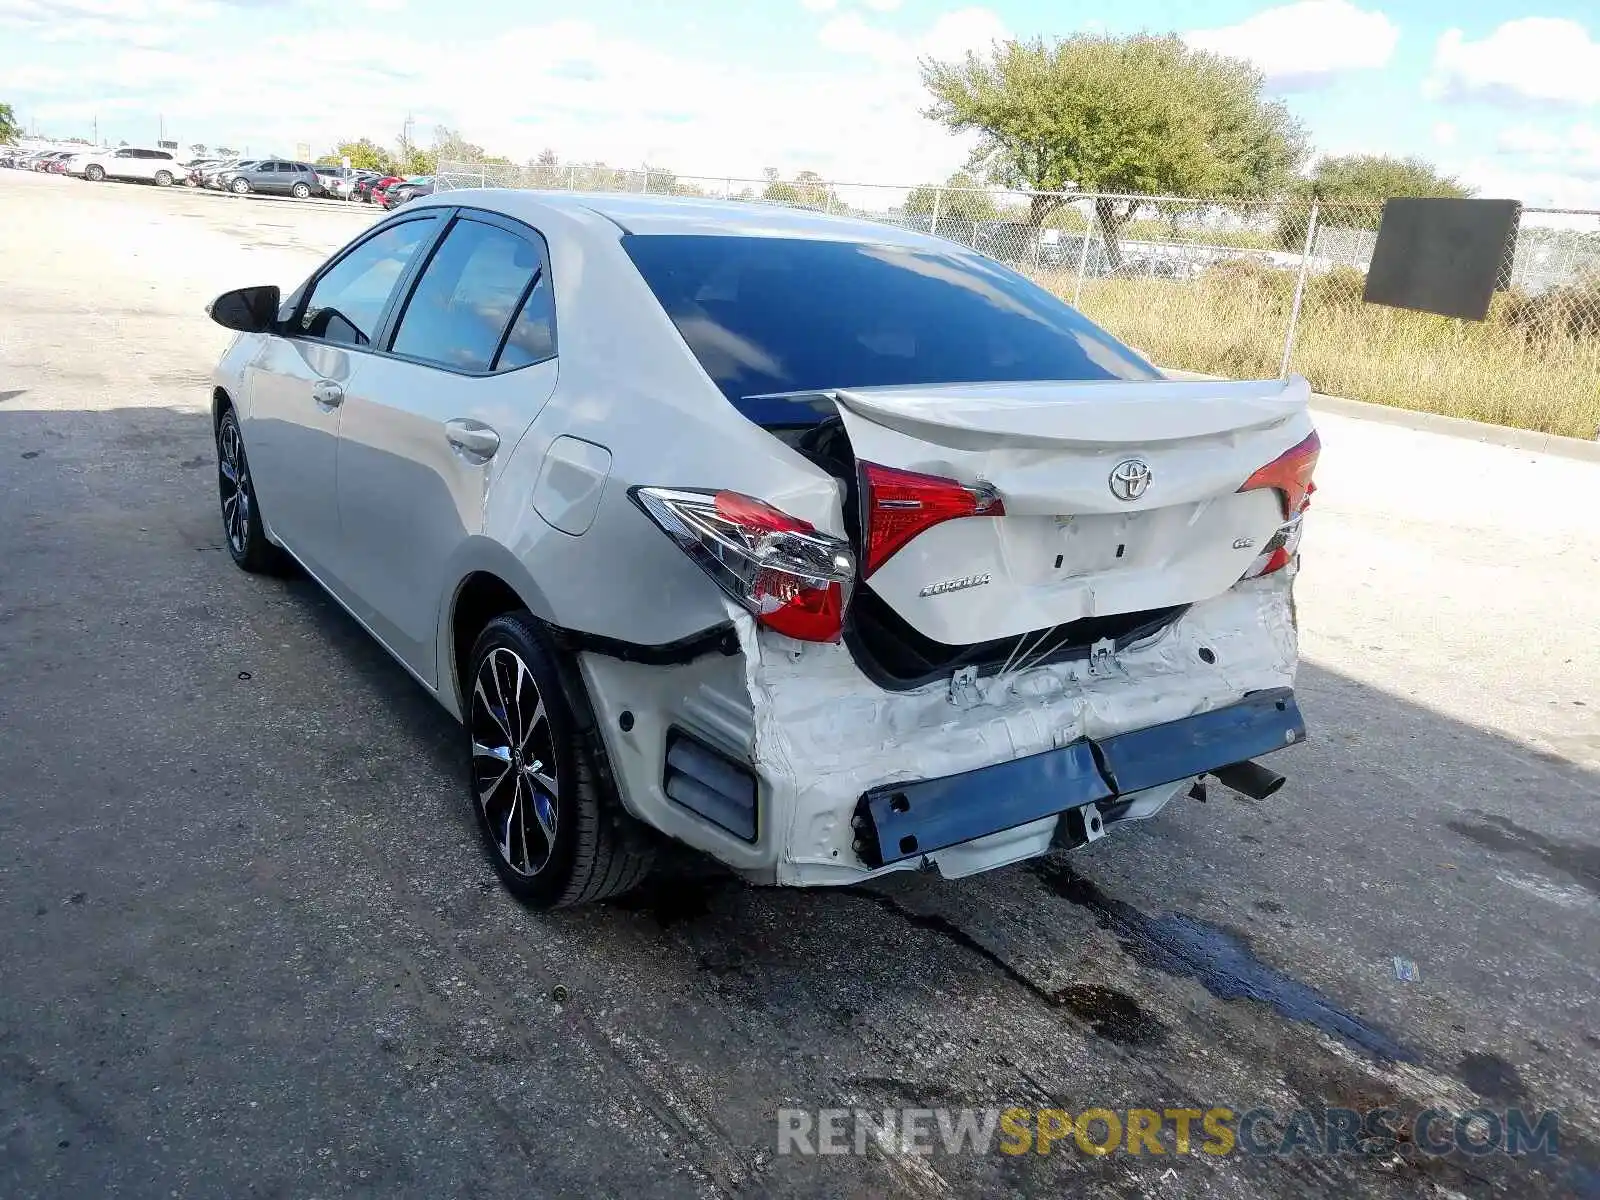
(467, 296)
(768, 314)
(347, 301)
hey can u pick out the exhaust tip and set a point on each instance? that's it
(1250, 778)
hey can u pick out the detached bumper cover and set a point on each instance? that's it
(903, 820)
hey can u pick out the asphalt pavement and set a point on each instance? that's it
(249, 944)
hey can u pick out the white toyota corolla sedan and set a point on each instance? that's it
(825, 547)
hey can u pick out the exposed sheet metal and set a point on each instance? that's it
(822, 739)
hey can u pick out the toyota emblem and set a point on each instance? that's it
(1130, 479)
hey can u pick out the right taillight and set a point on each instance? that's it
(898, 505)
(1290, 475)
(792, 578)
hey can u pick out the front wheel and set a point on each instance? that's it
(163, 178)
(554, 838)
(241, 515)
(94, 173)
(239, 187)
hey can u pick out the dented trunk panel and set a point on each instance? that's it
(1070, 545)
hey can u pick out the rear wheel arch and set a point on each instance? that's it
(479, 598)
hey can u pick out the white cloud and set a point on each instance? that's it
(882, 5)
(1538, 59)
(107, 22)
(853, 34)
(818, 6)
(965, 29)
(1305, 44)
(1574, 150)
(621, 100)
(1445, 133)
(951, 36)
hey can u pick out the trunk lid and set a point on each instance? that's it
(1120, 496)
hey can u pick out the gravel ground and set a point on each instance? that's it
(248, 943)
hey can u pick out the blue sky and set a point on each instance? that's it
(1505, 94)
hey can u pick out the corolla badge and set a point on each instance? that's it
(955, 585)
(1130, 479)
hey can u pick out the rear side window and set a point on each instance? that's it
(533, 334)
(347, 302)
(459, 312)
(767, 315)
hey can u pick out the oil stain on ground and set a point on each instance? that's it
(1219, 960)
(1113, 1015)
(1579, 861)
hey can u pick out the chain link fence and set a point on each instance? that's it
(1247, 289)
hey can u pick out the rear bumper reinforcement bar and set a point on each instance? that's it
(903, 820)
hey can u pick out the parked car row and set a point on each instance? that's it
(54, 161)
(269, 176)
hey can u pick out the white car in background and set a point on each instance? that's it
(828, 548)
(160, 167)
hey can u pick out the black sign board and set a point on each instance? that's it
(1443, 256)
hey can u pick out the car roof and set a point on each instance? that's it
(643, 214)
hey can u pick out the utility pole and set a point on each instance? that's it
(97, 129)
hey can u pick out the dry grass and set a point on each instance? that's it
(1532, 364)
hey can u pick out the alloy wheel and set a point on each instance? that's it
(233, 482)
(513, 761)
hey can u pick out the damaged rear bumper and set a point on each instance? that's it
(817, 737)
(906, 820)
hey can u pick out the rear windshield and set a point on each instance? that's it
(765, 314)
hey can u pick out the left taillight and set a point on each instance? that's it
(898, 505)
(791, 577)
(1290, 475)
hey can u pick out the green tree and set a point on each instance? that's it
(414, 160)
(9, 130)
(545, 171)
(227, 152)
(198, 148)
(1142, 115)
(806, 190)
(364, 154)
(1351, 189)
(450, 147)
(958, 196)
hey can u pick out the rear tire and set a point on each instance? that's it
(300, 191)
(94, 173)
(163, 178)
(553, 834)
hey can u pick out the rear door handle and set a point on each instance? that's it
(327, 393)
(473, 439)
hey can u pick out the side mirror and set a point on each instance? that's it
(249, 310)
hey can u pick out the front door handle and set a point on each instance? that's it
(327, 393)
(475, 441)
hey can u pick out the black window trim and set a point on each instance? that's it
(393, 314)
(440, 219)
(444, 218)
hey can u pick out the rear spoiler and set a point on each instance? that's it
(1157, 409)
